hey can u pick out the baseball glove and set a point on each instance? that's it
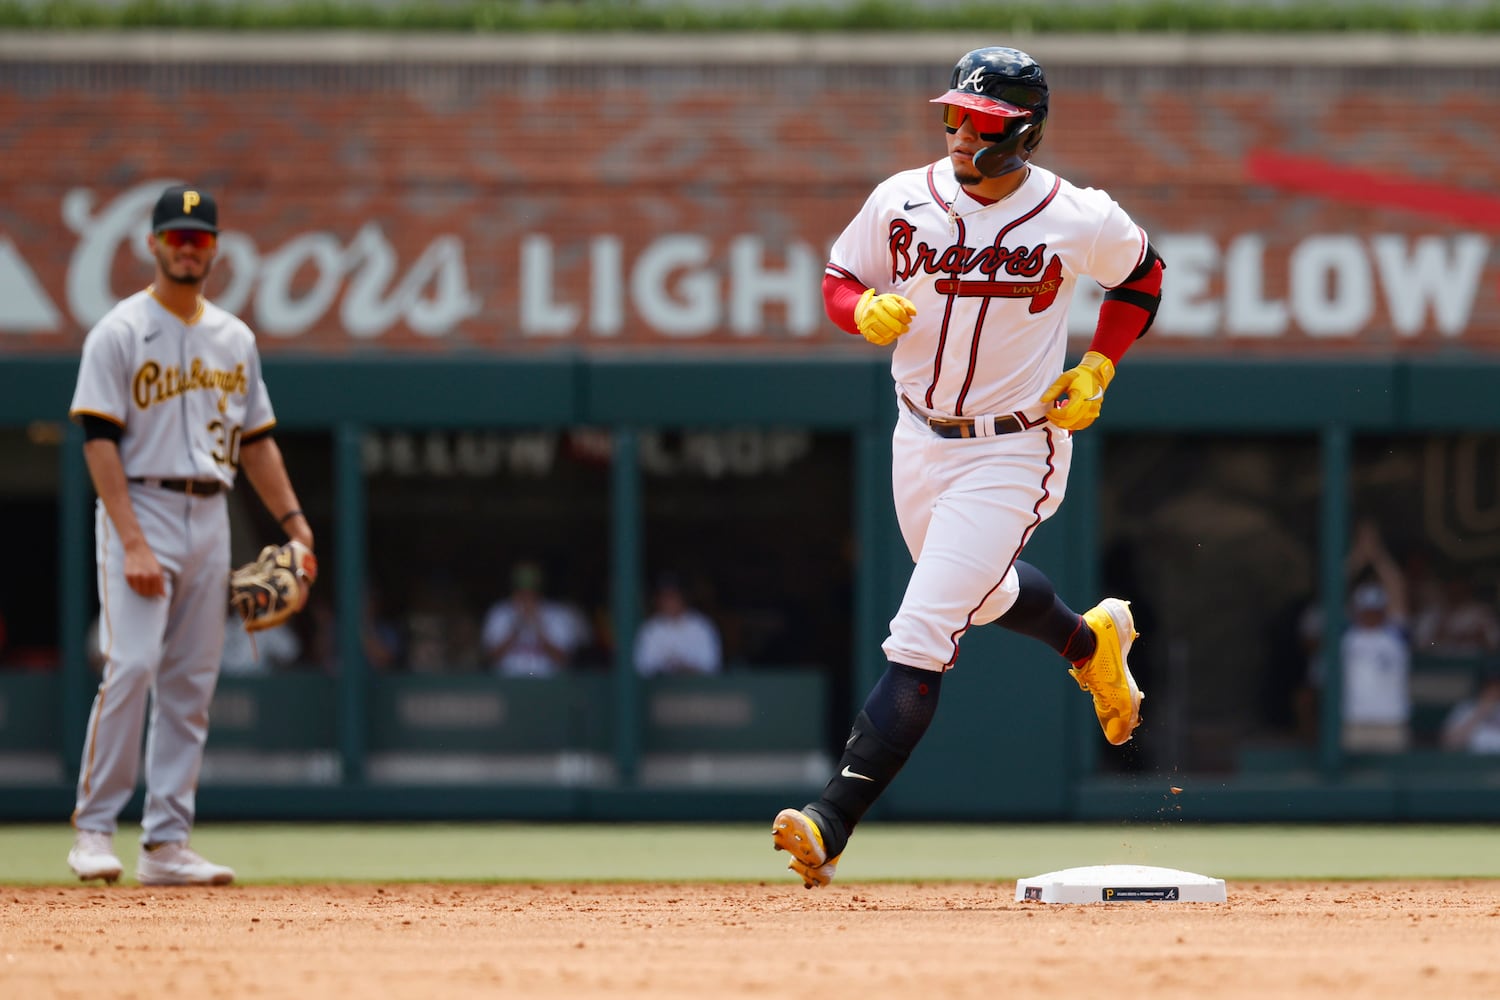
(274, 586)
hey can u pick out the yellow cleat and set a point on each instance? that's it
(1106, 675)
(796, 833)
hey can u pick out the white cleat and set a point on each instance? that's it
(178, 864)
(93, 856)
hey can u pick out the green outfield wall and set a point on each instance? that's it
(1015, 741)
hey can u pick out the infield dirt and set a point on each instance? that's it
(931, 941)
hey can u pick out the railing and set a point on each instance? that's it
(749, 727)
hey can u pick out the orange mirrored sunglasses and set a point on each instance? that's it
(177, 238)
(984, 124)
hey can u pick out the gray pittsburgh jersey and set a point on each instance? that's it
(185, 393)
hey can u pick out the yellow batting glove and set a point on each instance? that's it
(883, 318)
(1083, 387)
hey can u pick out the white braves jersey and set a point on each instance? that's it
(184, 393)
(991, 283)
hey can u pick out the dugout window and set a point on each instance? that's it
(1217, 543)
(756, 523)
(1214, 542)
(452, 513)
(32, 746)
(29, 611)
(1433, 503)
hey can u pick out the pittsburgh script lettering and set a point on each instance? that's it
(154, 384)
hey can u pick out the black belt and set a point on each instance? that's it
(192, 487)
(963, 427)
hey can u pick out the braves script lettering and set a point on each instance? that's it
(1022, 262)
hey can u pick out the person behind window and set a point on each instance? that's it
(1375, 654)
(1473, 725)
(676, 638)
(528, 635)
(266, 652)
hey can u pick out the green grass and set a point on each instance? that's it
(309, 853)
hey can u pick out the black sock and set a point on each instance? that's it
(1041, 614)
(896, 714)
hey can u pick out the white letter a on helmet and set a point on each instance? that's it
(973, 79)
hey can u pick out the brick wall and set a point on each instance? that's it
(411, 207)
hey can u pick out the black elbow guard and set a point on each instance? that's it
(1142, 288)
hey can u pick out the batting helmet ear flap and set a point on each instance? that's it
(1011, 154)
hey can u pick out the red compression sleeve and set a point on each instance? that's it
(840, 296)
(1121, 322)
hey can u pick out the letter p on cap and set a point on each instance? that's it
(190, 201)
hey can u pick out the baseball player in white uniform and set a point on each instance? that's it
(172, 404)
(968, 265)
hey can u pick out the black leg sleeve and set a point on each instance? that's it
(897, 712)
(1041, 614)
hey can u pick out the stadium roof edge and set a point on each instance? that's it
(746, 48)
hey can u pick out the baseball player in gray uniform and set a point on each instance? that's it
(968, 265)
(172, 405)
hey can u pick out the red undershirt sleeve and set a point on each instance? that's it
(1120, 322)
(840, 296)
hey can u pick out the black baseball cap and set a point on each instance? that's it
(182, 206)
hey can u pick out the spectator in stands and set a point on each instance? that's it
(676, 638)
(1374, 652)
(1474, 723)
(264, 652)
(1376, 657)
(528, 635)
